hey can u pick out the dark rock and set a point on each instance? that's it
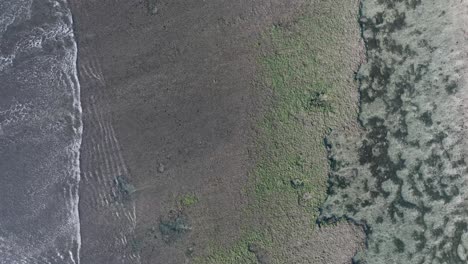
(124, 189)
(173, 227)
(260, 253)
(161, 168)
(297, 183)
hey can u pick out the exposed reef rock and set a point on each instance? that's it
(405, 175)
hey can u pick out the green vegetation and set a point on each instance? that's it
(291, 133)
(188, 200)
(309, 92)
(239, 253)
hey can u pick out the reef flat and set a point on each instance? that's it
(404, 176)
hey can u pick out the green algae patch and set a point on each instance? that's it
(240, 252)
(290, 139)
(309, 91)
(188, 200)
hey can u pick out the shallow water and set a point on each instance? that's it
(405, 175)
(40, 134)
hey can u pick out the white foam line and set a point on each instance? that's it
(78, 141)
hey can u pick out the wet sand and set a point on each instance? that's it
(169, 105)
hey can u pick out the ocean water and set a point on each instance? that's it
(405, 175)
(40, 133)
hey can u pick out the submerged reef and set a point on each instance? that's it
(404, 176)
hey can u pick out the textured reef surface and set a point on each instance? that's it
(404, 175)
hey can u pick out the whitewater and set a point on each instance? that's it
(40, 134)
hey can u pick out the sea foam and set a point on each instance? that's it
(40, 134)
